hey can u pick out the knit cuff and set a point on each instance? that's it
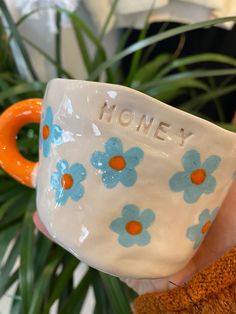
(213, 290)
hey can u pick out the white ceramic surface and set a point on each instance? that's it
(166, 214)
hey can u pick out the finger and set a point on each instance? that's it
(221, 236)
(40, 226)
(142, 286)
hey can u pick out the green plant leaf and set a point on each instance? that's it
(80, 26)
(228, 126)
(118, 300)
(44, 246)
(129, 292)
(61, 281)
(82, 44)
(138, 53)
(102, 305)
(27, 256)
(108, 19)
(17, 38)
(75, 301)
(43, 281)
(217, 101)
(171, 94)
(48, 58)
(175, 86)
(190, 60)
(186, 76)
(194, 105)
(8, 282)
(4, 85)
(10, 78)
(22, 89)
(14, 212)
(58, 44)
(150, 69)
(5, 239)
(9, 205)
(154, 39)
(16, 302)
(6, 269)
(98, 57)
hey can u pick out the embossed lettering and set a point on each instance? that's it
(161, 127)
(108, 110)
(184, 136)
(126, 117)
(145, 124)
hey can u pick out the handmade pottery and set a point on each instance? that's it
(124, 182)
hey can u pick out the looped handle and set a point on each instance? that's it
(11, 121)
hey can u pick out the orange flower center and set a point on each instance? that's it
(206, 226)
(46, 131)
(198, 176)
(134, 227)
(117, 163)
(67, 181)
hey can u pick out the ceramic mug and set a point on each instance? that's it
(124, 182)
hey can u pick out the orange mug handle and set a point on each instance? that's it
(11, 121)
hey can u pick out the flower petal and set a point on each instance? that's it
(76, 192)
(46, 147)
(209, 184)
(130, 212)
(133, 156)
(211, 163)
(99, 160)
(114, 146)
(204, 217)
(110, 178)
(128, 177)
(56, 134)
(193, 232)
(142, 239)
(62, 166)
(198, 241)
(61, 196)
(117, 225)
(48, 117)
(126, 240)
(179, 181)
(192, 193)
(55, 180)
(191, 160)
(147, 217)
(78, 172)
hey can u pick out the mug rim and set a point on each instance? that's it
(164, 105)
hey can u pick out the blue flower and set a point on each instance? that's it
(115, 165)
(132, 226)
(50, 133)
(196, 178)
(196, 233)
(66, 181)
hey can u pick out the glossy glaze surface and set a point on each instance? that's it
(11, 121)
(126, 183)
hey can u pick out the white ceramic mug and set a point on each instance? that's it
(124, 182)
